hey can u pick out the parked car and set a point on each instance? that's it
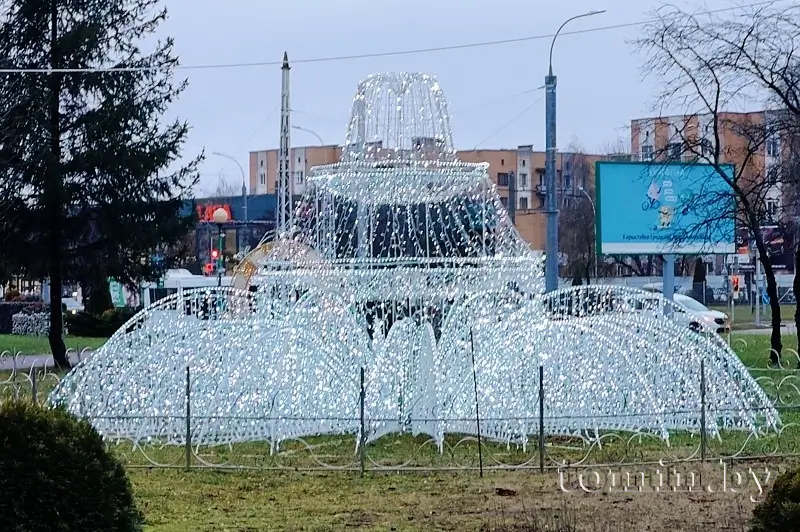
(689, 311)
(659, 287)
(70, 305)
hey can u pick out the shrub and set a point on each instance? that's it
(780, 510)
(58, 475)
(30, 324)
(8, 309)
(103, 326)
(11, 294)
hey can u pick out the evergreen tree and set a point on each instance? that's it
(86, 159)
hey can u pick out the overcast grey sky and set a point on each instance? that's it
(234, 110)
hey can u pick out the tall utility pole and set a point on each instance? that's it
(551, 194)
(285, 186)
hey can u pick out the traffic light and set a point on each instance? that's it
(736, 286)
(208, 268)
(214, 254)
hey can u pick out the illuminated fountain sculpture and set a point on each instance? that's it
(402, 285)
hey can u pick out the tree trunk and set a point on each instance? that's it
(775, 306)
(796, 290)
(53, 193)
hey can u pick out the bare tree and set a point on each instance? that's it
(225, 189)
(576, 233)
(618, 149)
(712, 65)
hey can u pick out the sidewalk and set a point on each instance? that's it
(27, 362)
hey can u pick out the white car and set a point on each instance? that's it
(71, 305)
(690, 311)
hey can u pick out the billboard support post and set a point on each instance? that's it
(669, 280)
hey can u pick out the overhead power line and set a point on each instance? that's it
(480, 44)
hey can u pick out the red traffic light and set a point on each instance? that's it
(214, 254)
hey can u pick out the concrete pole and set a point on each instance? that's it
(512, 197)
(551, 205)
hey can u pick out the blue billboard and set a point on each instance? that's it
(651, 208)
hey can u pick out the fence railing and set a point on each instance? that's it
(540, 442)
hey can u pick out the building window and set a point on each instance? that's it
(502, 179)
(523, 181)
(523, 204)
(504, 201)
(261, 163)
(706, 148)
(675, 149)
(647, 152)
(772, 176)
(773, 145)
(298, 177)
(567, 181)
(262, 178)
(523, 163)
(772, 209)
(502, 162)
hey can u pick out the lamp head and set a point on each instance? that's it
(220, 216)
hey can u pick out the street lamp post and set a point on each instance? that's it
(594, 213)
(299, 128)
(244, 196)
(220, 217)
(551, 206)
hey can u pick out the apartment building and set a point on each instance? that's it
(523, 165)
(679, 138)
(682, 138)
(264, 166)
(526, 167)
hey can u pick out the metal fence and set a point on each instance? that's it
(407, 451)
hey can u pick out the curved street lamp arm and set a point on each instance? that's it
(553, 42)
(229, 157)
(299, 128)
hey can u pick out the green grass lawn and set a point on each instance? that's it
(203, 500)
(39, 345)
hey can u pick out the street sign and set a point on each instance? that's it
(117, 293)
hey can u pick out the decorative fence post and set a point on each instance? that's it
(541, 419)
(34, 391)
(362, 437)
(477, 410)
(188, 450)
(702, 411)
